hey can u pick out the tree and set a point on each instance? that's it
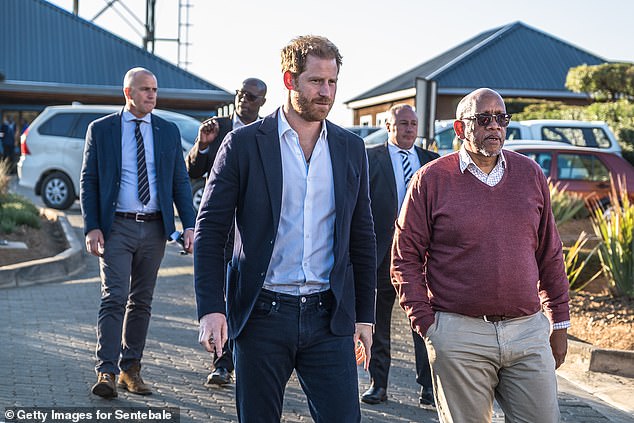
(604, 82)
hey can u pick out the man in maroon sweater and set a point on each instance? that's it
(478, 267)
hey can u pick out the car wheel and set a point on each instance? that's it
(57, 191)
(198, 187)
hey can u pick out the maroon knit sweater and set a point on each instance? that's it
(485, 250)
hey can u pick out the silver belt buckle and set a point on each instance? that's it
(138, 217)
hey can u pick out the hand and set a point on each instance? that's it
(363, 334)
(559, 346)
(95, 242)
(188, 238)
(212, 332)
(207, 132)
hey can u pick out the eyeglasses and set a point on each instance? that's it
(485, 119)
(247, 95)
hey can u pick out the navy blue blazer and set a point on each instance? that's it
(101, 174)
(246, 179)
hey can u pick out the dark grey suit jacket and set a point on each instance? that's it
(246, 179)
(384, 196)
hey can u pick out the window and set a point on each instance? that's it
(601, 138)
(365, 120)
(381, 118)
(81, 126)
(59, 125)
(513, 133)
(542, 158)
(582, 137)
(581, 167)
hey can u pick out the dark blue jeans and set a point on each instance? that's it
(286, 333)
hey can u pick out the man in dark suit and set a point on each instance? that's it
(248, 101)
(132, 175)
(301, 284)
(391, 165)
(201, 157)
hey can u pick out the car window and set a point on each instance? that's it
(187, 127)
(60, 124)
(601, 138)
(444, 139)
(544, 160)
(581, 167)
(81, 126)
(582, 137)
(513, 133)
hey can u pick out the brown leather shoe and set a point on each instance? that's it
(131, 381)
(105, 386)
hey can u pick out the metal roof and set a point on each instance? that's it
(513, 58)
(45, 45)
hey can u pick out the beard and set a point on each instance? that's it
(481, 147)
(311, 110)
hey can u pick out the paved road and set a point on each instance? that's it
(47, 336)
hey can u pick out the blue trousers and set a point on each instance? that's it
(286, 333)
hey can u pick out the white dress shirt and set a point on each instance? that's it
(397, 166)
(303, 255)
(128, 199)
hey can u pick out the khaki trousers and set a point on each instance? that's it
(474, 361)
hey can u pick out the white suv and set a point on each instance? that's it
(53, 145)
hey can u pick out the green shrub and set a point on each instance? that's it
(16, 210)
(614, 225)
(576, 260)
(565, 205)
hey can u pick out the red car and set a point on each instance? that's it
(581, 170)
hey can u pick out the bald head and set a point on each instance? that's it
(249, 99)
(468, 104)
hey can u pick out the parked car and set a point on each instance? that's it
(595, 134)
(582, 170)
(53, 145)
(363, 130)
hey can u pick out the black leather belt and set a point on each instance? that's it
(493, 318)
(139, 217)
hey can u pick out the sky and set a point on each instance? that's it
(235, 39)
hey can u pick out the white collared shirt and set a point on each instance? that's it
(128, 198)
(237, 123)
(492, 179)
(397, 167)
(303, 255)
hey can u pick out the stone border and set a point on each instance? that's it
(48, 269)
(587, 357)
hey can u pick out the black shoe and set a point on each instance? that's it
(374, 395)
(426, 397)
(220, 376)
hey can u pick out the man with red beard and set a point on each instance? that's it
(301, 283)
(478, 266)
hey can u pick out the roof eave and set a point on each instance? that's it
(411, 92)
(105, 90)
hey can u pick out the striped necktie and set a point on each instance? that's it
(407, 167)
(143, 185)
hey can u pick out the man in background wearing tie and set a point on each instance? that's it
(391, 166)
(132, 175)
